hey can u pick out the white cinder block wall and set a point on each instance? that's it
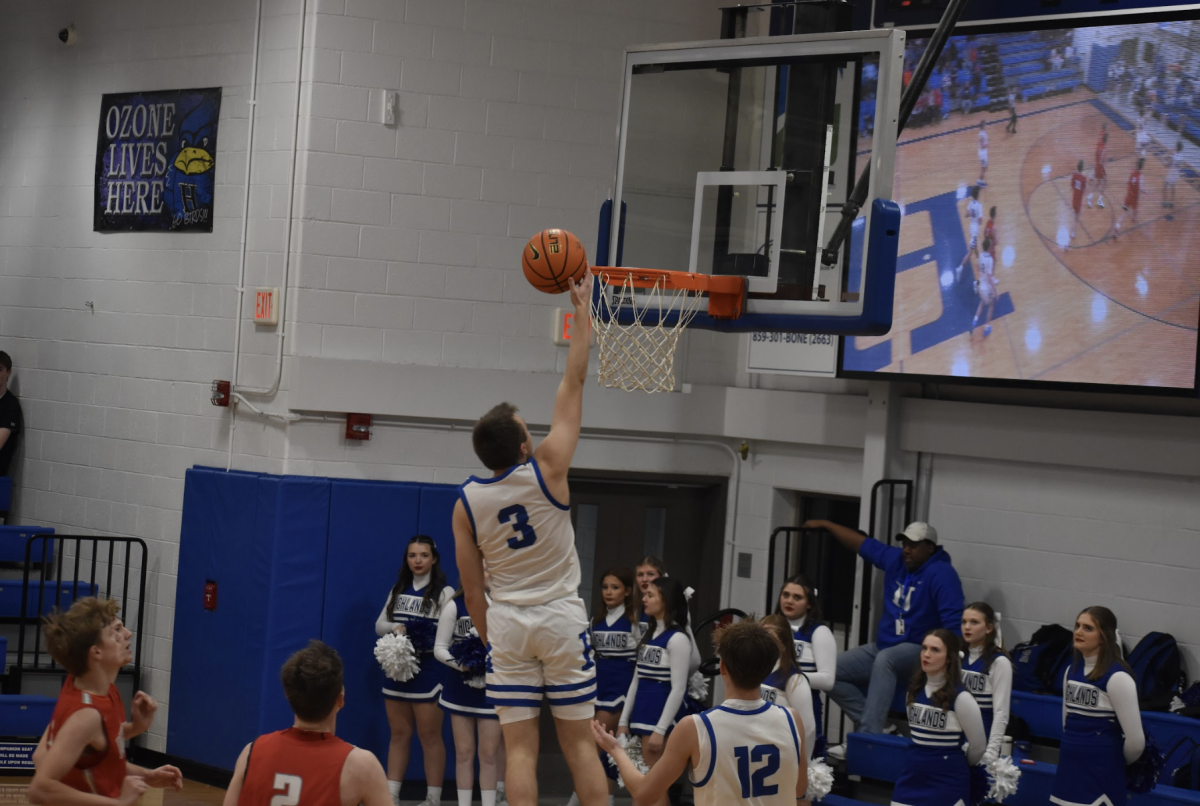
(405, 253)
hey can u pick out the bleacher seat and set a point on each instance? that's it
(66, 593)
(14, 538)
(25, 715)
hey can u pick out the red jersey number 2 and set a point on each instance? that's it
(290, 784)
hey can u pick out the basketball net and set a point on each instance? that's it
(639, 353)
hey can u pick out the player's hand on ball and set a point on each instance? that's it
(581, 292)
(605, 740)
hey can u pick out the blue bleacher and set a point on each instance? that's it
(25, 715)
(66, 593)
(1049, 77)
(1023, 70)
(1036, 56)
(14, 538)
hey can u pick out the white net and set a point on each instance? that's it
(637, 333)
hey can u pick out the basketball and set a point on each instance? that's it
(551, 259)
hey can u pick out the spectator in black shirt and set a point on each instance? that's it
(11, 421)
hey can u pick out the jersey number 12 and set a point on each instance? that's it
(756, 786)
(520, 524)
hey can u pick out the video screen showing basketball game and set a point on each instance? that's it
(1050, 185)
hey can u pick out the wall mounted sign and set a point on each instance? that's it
(156, 156)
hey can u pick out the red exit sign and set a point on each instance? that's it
(266, 309)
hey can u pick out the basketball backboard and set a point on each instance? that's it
(736, 156)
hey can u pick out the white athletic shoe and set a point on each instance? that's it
(501, 798)
(836, 752)
(574, 801)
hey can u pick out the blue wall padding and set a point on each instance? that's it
(294, 558)
(369, 525)
(295, 510)
(437, 505)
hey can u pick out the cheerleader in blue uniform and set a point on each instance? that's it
(468, 708)
(786, 685)
(648, 570)
(1102, 724)
(417, 598)
(654, 702)
(987, 673)
(816, 650)
(941, 714)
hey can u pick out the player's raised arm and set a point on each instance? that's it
(470, 569)
(555, 452)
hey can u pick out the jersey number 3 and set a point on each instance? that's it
(520, 524)
(290, 784)
(756, 786)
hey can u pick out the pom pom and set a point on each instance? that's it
(471, 655)
(1142, 775)
(397, 657)
(634, 751)
(698, 687)
(422, 633)
(820, 779)
(1004, 775)
(979, 785)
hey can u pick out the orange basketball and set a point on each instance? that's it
(551, 259)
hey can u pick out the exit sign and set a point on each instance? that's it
(564, 326)
(266, 308)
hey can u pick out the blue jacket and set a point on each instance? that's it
(928, 598)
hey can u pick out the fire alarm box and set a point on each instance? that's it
(210, 595)
(358, 426)
(266, 307)
(220, 393)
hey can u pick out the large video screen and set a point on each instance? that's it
(1050, 184)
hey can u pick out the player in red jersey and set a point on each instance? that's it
(82, 753)
(306, 765)
(1133, 189)
(1078, 186)
(989, 232)
(1099, 173)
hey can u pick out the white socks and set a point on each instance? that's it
(433, 794)
(464, 797)
(488, 796)
(394, 788)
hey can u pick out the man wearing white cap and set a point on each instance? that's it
(921, 592)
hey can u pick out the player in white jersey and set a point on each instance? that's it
(985, 287)
(536, 626)
(743, 751)
(983, 153)
(974, 218)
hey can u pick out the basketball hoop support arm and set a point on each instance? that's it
(937, 42)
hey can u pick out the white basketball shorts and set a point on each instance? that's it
(536, 652)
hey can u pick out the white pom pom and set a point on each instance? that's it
(634, 751)
(698, 687)
(397, 657)
(477, 682)
(1004, 775)
(820, 779)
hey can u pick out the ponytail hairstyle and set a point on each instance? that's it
(676, 615)
(944, 697)
(625, 577)
(781, 630)
(991, 645)
(1110, 645)
(813, 617)
(437, 579)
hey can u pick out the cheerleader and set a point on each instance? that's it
(786, 685)
(816, 649)
(468, 709)
(648, 570)
(1102, 725)
(987, 673)
(654, 702)
(940, 716)
(417, 597)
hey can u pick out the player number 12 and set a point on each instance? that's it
(520, 524)
(756, 786)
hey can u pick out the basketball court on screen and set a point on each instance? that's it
(1093, 308)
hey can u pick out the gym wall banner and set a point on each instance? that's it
(156, 156)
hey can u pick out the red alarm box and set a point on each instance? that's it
(210, 595)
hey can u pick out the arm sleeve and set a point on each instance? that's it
(950, 602)
(630, 695)
(1001, 674)
(680, 651)
(445, 634)
(693, 654)
(825, 652)
(971, 721)
(1066, 674)
(382, 625)
(799, 696)
(876, 553)
(1122, 692)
